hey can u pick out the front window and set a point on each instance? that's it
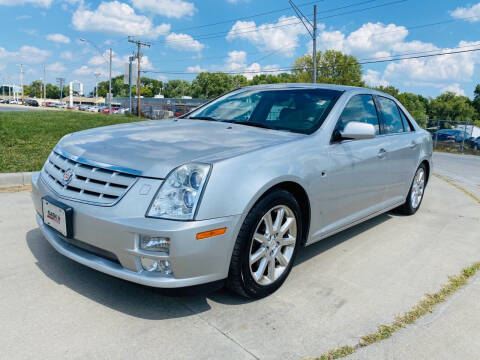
(296, 110)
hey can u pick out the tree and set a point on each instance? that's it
(333, 67)
(177, 89)
(34, 89)
(476, 98)
(211, 85)
(450, 106)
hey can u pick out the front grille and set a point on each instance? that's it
(88, 183)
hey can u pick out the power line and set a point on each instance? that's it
(293, 69)
(290, 22)
(248, 17)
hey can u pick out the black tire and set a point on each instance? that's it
(407, 208)
(240, 279)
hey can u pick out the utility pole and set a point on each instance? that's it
(21, 83)
(44, 86)
(110, 85)
(139, 59)
(312, 30)
(61, 82)
(96, 87)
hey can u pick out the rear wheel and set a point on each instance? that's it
(415, 195)
(266, 246)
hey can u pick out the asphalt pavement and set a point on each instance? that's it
(14, 107)
(462, 169)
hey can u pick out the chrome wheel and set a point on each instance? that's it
(273, 245)
(418, 188)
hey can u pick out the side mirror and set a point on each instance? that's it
(355, 130)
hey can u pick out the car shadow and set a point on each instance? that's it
(151, 303)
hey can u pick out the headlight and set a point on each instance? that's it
(179, 194)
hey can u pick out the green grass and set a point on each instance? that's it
(27, 137)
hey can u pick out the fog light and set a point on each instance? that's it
(152, 265)
(158, 244)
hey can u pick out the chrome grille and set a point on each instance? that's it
(88, 183)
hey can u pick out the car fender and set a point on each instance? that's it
(236, 184)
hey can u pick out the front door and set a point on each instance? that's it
(357, 176)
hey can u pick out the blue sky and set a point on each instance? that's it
(48, 32)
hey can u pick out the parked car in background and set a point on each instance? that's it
(233, 189)
(449, 135)
(31, 102)
(475, 143)
(83, 107)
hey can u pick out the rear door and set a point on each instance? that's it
(402, 149)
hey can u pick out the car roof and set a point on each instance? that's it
(342, 88)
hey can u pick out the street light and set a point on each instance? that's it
(110, 76)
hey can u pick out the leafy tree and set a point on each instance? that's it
(211, 85)
(450, 106)
(333, 67)
(34, 89)
(177, 89)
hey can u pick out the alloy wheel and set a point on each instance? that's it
(418, 188)
(273, 245)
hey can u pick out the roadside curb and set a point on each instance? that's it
(15, 179)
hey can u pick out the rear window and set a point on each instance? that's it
(392, 121)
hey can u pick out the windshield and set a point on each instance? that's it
(296, 110)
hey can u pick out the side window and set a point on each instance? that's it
(406, 123)
(360, 108)
(391, 116)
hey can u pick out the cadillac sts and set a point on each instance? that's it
(233, 189)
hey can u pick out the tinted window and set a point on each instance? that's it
(406, 123)
(391, 116)
(297, 110)
(360, 108)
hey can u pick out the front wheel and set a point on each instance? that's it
(266, 246)
(415, 195)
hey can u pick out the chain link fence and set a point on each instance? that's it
(158, 109)
(453, 136)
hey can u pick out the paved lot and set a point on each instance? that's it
(339, 289)
(13, 107)
(463, 169)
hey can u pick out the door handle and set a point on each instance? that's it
(381, 153)
(413, 145)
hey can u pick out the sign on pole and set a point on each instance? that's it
(134, 74)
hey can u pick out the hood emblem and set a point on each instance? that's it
(67, 177)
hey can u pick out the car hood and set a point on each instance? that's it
(154, 148)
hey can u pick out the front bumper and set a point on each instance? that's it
(116, 230)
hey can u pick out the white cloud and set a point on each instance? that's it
(58, 38)
(456, 67)
(83, 70)
(56, 67)
(183, 42)
(42, 3)
(472, 13)
(23, 17)
(196, 69)
(273, 37)
(66, 55)
(237, 63)
(116, 17)
(31, 54)
(455, 88)
(373, 78)
(169, 8)
(237, 1)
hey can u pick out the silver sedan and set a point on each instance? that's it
(231, 190)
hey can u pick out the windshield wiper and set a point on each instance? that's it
(250, 123)
(209, 118)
